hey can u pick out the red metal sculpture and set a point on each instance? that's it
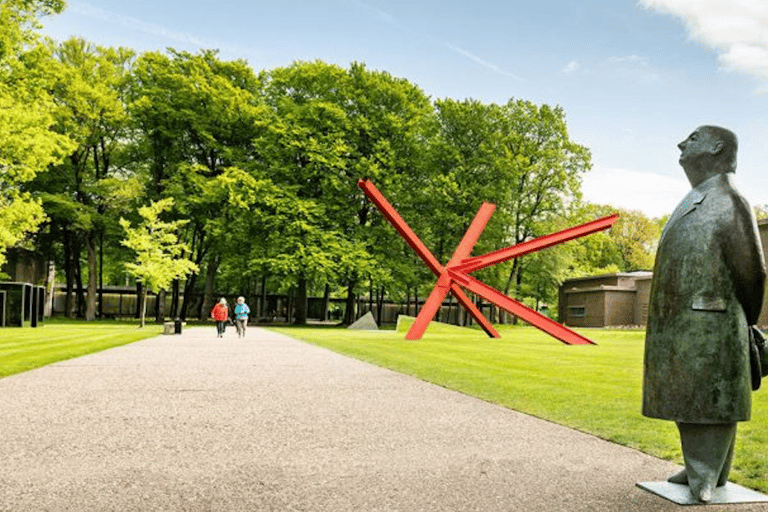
(455, 274)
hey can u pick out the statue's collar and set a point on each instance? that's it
(691, 201)
(710, 183)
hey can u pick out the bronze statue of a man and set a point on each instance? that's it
(707, 291)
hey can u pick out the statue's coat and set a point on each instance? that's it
(707, 288)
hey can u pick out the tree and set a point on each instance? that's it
(546, 167)
(88, 89)
(331, 127)
(194, 116)
(158, 252)
(629, 245)
(518, 156)
(27, 142)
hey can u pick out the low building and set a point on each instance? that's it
(621, 299)
(609, 300)
(763, 228)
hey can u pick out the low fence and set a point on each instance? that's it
(123, 302)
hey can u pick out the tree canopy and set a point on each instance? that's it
(255, 175)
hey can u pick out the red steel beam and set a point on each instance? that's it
(530, 316)
(492, 258)
(435, 300)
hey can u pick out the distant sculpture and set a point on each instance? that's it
(455, 274)
(707, 291)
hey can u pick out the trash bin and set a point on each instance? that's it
(177, 326)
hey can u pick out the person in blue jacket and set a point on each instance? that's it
(241, 316)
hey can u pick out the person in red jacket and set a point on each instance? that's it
(220, 313)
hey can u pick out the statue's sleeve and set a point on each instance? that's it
(746, 261)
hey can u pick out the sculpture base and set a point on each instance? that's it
(680, 494)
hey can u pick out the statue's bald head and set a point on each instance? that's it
(730, 146)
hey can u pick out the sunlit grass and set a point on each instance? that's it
(26, 348)
(594, 389)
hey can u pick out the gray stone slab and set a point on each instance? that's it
(365, 322)
(729, 494)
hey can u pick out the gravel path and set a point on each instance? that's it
(196, 423)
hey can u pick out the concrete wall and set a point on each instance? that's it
(608, 300)
(619, 307)
(642, 298)
(763, 228)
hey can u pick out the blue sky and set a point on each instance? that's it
(635, 77)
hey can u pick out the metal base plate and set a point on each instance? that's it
(680, 494)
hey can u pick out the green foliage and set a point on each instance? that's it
(629, 245)
(264, 167)
(27, 143)
(158, 252)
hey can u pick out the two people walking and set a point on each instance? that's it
(220, 315)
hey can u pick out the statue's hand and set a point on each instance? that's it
(758, 356)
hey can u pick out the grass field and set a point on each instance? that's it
(594, 389)
(25, 348)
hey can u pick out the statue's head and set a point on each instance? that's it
(709, 150)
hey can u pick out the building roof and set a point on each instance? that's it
(638, 274)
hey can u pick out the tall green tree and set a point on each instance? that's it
(194, 117)
(546, 168)
(88, 89)
(333, 126)
(28, 144)
(518, 156)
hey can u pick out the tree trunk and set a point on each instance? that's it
(289, 307)
(380, 305)
(139, 297)
(263, 304)
(90, 247)
(175, 292)
(160, 306)
(143, 305)
(210, 275)
(69, 272)
(101, 276)
(370, 295)
(79, 290)
(518, 284)
(513, 278)
(326, 302)
(301, 302)
(189, 288)
(349, 309)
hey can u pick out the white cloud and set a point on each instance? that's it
(571, 67)
(737, 29)
(654, 194)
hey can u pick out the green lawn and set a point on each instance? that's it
(594, 389)
(25, 348)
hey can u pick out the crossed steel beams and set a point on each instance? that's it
(455, 274)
